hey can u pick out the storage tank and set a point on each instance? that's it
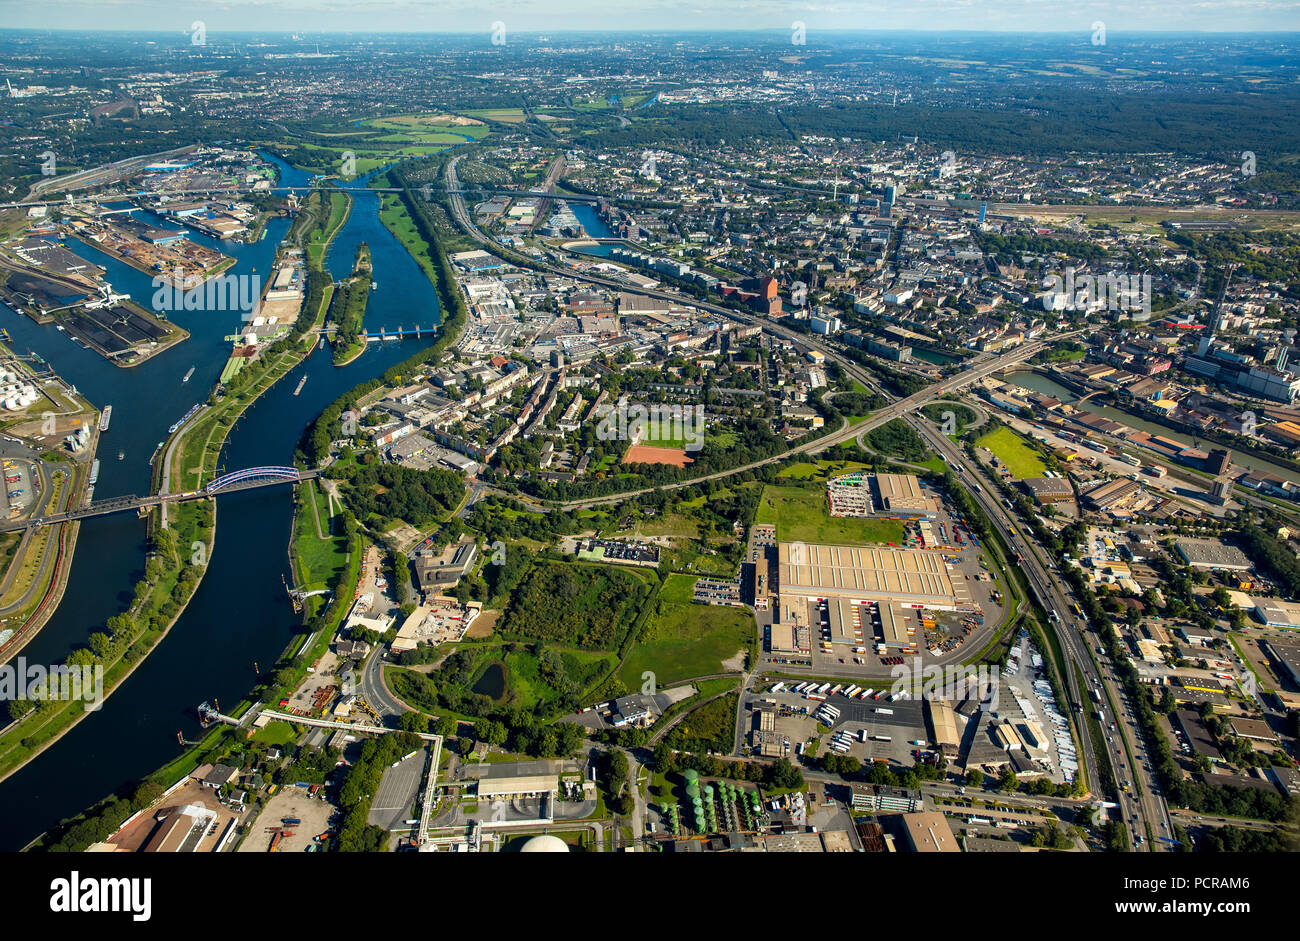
(11, 405)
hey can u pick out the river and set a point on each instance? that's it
(240, 613)
(1041, 383)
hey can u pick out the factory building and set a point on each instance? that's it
(944, 722)
(865, 574)
(901, 494)
(1212, 554)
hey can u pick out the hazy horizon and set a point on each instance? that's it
(654, 16)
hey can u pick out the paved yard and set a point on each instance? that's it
(288, 802)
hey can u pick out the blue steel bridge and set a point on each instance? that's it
(249, 478)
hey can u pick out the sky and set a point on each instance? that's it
(532, 16)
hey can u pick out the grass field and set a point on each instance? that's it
(393, 214)
(674, 525)
(503, 115)
(417, 123)
(686, 640)
(678, 589)
(935, 464)
(655, 439)
(800, 515)
(707, 728)
(526, 686)
(1012, 451)
(339, 206)
(277, 733)
(319, 560)
(821, 470)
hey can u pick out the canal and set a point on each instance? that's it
(596, 228)
(1040, 383)
(240, 613)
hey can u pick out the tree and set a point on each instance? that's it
(119, 625)
(490, 731)
(974, 777)
(786, 776)
(616, 772)
(100, 645)
(413, 722)
(19, 708)
(1007, 780)
(665, 759)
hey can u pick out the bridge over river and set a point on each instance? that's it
(250, 478)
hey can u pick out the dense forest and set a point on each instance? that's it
(400, 493)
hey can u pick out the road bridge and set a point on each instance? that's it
(249, 478)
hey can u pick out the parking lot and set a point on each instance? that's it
(20, 491)
(399, 789)
(1026, 697)
(891, 728)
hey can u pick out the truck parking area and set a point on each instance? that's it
(869, 730)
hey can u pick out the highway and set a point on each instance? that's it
(1148, 810)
